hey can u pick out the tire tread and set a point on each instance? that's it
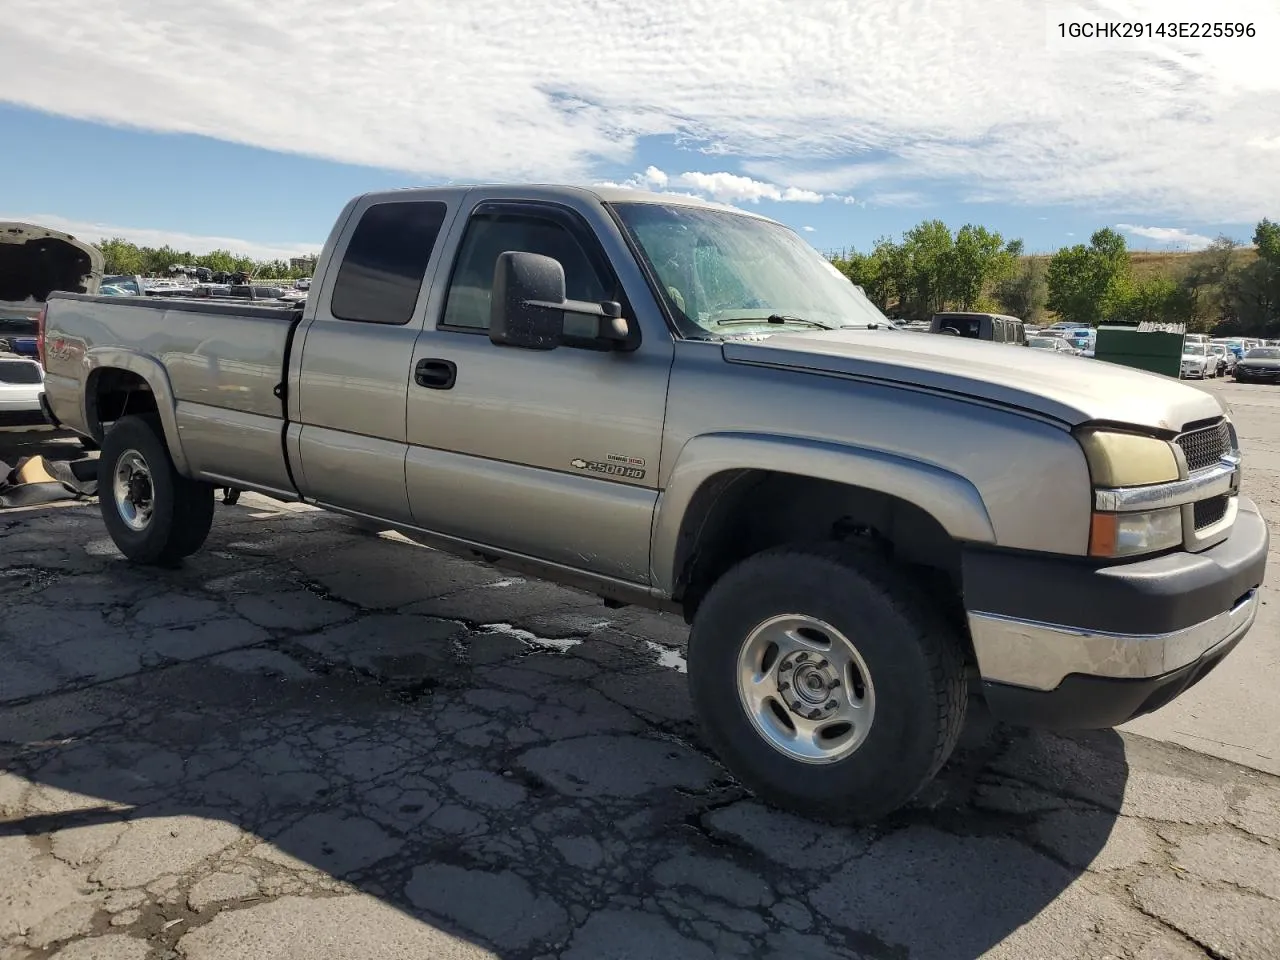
(942, 650)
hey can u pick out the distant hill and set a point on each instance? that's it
(1152, 263)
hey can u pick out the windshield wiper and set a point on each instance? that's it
(775, 318)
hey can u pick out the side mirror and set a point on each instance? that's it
(528, 304)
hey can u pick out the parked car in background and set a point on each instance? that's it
(1259, 365)
(1197, 362)
(1226, 359)
(21, 387)
(122, 285)
(1234, 344)
(995, 327)
(1056, 344)
(34, 262)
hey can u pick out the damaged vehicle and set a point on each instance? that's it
(672, 403)
(34, 262)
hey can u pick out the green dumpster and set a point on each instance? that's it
(1149, 345)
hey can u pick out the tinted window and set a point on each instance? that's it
(970, 327)
(19, 326)
(487, 237)
(386, 260)
(19, 371)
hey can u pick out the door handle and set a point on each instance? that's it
(435, 374)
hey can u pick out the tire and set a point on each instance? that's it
(180, 510)
(912, 675)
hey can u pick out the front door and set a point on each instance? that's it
(548, 454)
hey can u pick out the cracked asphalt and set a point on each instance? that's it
(314, 742)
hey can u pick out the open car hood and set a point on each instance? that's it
(36, 260)
(1068, 388)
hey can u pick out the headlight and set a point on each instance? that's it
(1127, 459)
(1128, 534)
(1130, 460)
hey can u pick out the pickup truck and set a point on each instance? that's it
(672, 403)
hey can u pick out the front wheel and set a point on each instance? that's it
(825, 682)
(153, 514)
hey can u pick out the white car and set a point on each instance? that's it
(1198, 361)
(21, 384)
(1056, 344)
(1226, 359)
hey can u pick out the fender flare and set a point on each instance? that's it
(153, 372)
(953, 501)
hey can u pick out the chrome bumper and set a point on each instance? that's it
(1039, 656)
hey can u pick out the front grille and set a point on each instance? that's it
(1205, 446)
(1208, 512)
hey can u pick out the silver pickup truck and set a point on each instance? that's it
(672, 403)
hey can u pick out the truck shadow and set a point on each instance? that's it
(523, 796)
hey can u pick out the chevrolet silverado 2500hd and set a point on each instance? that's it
(677, 404)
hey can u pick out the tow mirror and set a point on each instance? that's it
(528, 304)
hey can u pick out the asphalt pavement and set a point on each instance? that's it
(315, 742)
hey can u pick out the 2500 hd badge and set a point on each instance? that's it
(611, 469)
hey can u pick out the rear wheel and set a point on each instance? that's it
(153, 514)
(825, 682)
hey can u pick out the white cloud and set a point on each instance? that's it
(808, 229)
(898, 198)
(1171, 235)
(906, 93)
(722, 187)
(185, 242)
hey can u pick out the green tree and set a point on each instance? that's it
(873, 271)
(121, 256)
(1086, 283)
(1025, 293)
(1158, 298)
(926, 263)
(977, 261)
(1209, 280)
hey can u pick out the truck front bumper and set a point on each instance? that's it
(1065, 644)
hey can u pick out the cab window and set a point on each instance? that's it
(488, 236)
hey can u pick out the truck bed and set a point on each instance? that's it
(223, 364)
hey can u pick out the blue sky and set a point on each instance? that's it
(258, 144)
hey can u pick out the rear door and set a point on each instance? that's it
(349, 445)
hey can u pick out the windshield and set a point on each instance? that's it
(1263, 353)
(127, 284)
(1194, 349)
(721, 271)
(1049, 343)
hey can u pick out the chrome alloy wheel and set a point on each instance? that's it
(132, 490)
(806, 688)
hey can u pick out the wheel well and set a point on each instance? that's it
(112, 393)
(738, 513)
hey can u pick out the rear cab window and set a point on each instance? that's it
(386, 260)
(19, 372)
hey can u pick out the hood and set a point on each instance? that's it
(1195, 356)
(1258, 362)
(36, 260)
(1067, 388)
